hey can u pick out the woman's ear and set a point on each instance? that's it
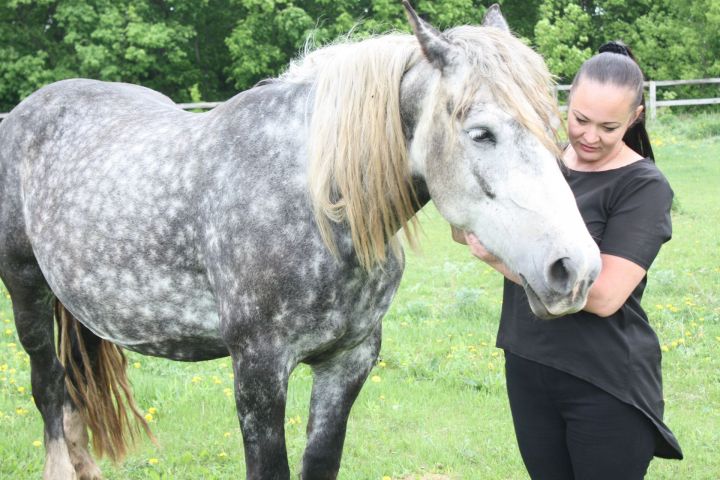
(637, 115)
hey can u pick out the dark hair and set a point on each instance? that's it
(614, 63)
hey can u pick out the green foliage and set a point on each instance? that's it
(167, 46)
(562, 38)
(223, 46)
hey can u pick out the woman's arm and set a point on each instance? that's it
(617, 280)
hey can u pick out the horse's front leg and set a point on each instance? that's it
(261, 379)
(336, 385)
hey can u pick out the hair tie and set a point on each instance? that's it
(614, 47)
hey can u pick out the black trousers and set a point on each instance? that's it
(568, 428)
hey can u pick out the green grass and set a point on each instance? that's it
(438, 404)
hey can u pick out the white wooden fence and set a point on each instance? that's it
(651, 101)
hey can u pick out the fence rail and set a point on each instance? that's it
(652, 102)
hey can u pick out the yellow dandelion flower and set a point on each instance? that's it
(382, 397)
(227, 434)
(222, 455)
(21, 389)
(9, 332)
(149, 417)
(494, 354)
(11, 345)
(21, 411)
(37, 443)
(681, 341)
(153, 461)
(664, 348)
(491, 366)
(717, 338)
(216, 380)
(137, 365)
(385, 477)
(376, 379)
(196, 379)
(3, 367)
(382, 364)
(688, 334)
(152, 411)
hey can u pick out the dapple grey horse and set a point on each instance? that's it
(265, 229)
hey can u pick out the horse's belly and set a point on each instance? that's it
(154, 313)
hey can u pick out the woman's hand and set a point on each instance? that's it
(479, 250)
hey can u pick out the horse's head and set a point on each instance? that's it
(482, 139)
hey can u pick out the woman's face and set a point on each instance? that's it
(598, 117)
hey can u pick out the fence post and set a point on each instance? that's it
(653, 100)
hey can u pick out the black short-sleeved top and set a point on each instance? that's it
(627, 212)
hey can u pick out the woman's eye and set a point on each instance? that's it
(481, 135)
(610, 129)
(581, 121)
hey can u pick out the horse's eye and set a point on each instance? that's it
(481, 135)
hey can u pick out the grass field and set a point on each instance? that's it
(435, 406)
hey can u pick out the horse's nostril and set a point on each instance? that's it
(561, 275)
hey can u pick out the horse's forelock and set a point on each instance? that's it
(516, 75)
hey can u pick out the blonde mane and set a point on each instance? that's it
(359, 169)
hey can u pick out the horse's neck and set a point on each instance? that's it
(416, 85)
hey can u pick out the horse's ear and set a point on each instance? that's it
(435, 46)
(494, 18)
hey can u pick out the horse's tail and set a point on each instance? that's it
(97, 383)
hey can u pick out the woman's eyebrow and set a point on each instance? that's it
(605, 124)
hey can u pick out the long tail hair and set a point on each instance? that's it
(97, 383)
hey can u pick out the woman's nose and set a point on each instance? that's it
(591, 135)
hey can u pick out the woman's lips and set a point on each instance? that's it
(586, 148)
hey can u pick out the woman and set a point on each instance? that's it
(585, 390)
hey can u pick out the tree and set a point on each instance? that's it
(271, 32)
(166, 45)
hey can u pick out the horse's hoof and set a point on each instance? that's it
(89, 472)
(59, 472)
